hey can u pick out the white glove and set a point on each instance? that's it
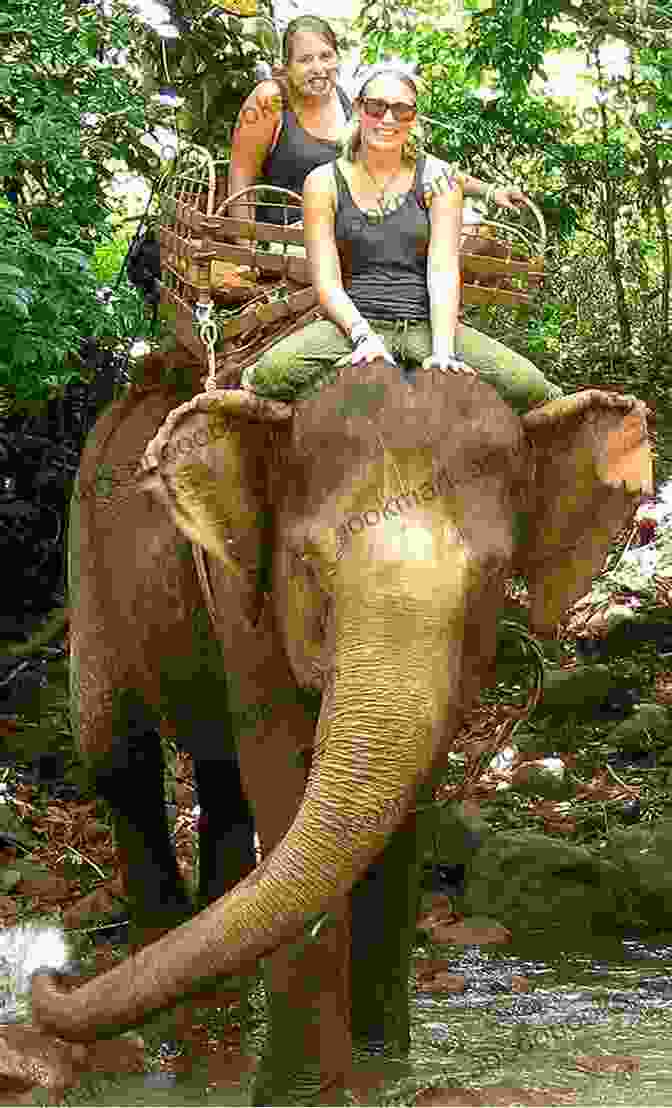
(370, 348)
(449, 363)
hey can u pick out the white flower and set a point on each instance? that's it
(140, 348)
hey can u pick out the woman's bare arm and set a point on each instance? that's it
(258, 120)
(319, 213)
(443, 267)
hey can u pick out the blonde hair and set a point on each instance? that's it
(313, 23)
(352, 136)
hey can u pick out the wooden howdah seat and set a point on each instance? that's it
(259, 292)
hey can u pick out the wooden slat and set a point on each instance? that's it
(282, 265)
(295, 268)
(481, 263)
(475, 294)
(219, 226)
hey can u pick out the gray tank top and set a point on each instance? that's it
(295, 154)
(384, 257)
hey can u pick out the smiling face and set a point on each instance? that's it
(312, 68)
(386, 133)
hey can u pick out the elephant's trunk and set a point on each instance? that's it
(379, 732)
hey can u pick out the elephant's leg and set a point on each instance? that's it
(130, 779)
(225, 856)
(225, 828)
(384, 911)
(308, 1051)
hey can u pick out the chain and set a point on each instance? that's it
(207, 331)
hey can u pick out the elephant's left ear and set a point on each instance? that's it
(592, 468)
(206, 465)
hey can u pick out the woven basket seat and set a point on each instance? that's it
(255, 274)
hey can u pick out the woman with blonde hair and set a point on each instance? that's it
(382, 230)
(294, 121)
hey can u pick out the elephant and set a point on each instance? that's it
(353, 550)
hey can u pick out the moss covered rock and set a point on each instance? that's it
(532, 882)
(649, 722)
(644, 855)
(580, 689)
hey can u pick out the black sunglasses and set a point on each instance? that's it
(401, 112)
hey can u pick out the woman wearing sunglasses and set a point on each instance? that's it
(382, 231)
(291, 124)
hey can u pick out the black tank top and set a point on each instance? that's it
(384, 259)
(295, 154)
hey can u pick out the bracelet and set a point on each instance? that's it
(489, 192)
(359, 331)
(360, 339)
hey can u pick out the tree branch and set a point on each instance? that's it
(597, 19)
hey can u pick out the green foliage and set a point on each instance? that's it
(211, 65)
(64, 113)
(600, 172)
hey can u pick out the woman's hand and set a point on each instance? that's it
(370, 348)
(449, 363)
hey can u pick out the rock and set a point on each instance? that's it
(441, 913)
(475, 931)
(95, 829)
(607, 1063)
(29, 1058)
(10, 1094)
(445, 983)
(47, 886)
(8, 909)
(562, 826)
(452, 832)
(631, 635)
(649, 721)
(640, 759)
(102, 901)
(620, 703)
(125, 1054)
(579, 689)
(9, 878)
(32, 1059)
(530, 882)
(644, 853)
(184, 796)
(426, 968)
(608, 618)
(542, 777)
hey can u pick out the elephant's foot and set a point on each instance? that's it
(307, 1086)
(578, 403)
(388, 1038)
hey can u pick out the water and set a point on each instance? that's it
(613, 1000)
(579, 1004)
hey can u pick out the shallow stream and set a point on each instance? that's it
(580, 1008)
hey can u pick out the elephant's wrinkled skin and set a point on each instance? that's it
(391, 619)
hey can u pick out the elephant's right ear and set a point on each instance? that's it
(592, 468)
(206, 465)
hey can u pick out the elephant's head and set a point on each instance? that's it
(393, 509)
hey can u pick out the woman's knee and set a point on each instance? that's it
(518, 379)
(294, 361)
